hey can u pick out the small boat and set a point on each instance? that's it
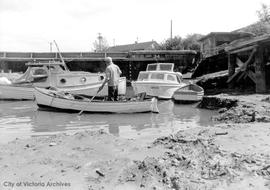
(159, 80)
(63, 101)
(56, 74)
(17, 91)
(188, 94)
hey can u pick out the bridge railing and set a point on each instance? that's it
(55, 55)
(141, 55)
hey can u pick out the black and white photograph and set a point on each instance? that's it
(134, 95)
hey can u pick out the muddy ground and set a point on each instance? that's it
(234, 154)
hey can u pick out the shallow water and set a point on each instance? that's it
(22, 119)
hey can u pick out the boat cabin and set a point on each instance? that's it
(44, 74)
(40, 71)
(55, 67)
(160, 72)
(160, 67)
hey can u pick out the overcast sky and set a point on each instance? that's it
(30, 25)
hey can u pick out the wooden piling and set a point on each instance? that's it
(260, 76)
(231, 68)
(3, 66)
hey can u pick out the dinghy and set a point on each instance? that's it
(188, 94)
(63, 101)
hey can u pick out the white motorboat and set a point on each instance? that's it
(56, 74)
(159, 80)
(59, 100)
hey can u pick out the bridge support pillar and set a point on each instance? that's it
(3, 66)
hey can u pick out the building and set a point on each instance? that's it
(215, 42)
(152, 45)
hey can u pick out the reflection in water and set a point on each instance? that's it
(190, 113)
(23, 119)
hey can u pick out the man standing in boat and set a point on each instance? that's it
(113, 73)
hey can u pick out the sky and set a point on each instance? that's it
(30, 25)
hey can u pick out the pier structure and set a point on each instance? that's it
(236, 61)
(214, 57)
(249, 60)
(130, 62)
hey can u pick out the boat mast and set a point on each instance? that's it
(62, 60)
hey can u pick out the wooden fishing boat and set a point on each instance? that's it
(64, 101)
(188, 94)
(56, 74)
(159, 80)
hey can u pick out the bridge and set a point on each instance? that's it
(130, 62)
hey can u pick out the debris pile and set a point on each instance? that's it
(213, 102)
(191, 162)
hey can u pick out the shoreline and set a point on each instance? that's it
(232, 154)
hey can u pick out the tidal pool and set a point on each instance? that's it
(23, 119)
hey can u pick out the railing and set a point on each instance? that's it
(55, 55)
(134, 55)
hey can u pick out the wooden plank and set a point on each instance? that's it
(231, 64)
(244, 43)
(233, 76)
(243, 49)
(244, 67)
(260, 75)
(241, 76)
(251, 75)
(245, 76)
(239, 62)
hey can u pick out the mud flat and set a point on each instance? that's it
(234, 154)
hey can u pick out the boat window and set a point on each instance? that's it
(171, 77)
(151, 67)
(159, 76)
(40, 72)
(143, 76)
(167, 67)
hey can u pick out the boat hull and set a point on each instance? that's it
(156, 89)
(12, 92)
(91, 89)
(188, 94)
(48, 98)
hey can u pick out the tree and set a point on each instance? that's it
(263, 25)
(264, 13)
(172, 44)
(191, 42)
(101, 44)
